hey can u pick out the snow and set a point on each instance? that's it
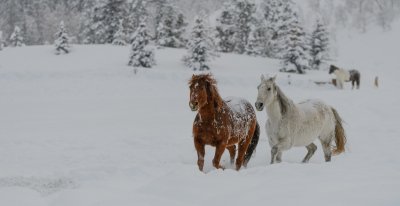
(82, 129)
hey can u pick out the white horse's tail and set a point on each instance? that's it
(340, 135)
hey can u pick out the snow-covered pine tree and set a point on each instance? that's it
(16, 39)
(277, 14)
(62, 41)
(319, 42)
(244, 13)
(168, 33)
(105, 20)
(180, 29)
(1, 40)
(119, 36)
(201, 47)
(295, 50)
(255, 43)
(136, 13)
(141, 55)
(225, 29)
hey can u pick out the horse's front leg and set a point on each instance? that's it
(276, 151)
(219, 150)
(200, 148)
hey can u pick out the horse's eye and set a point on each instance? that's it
(269, 89)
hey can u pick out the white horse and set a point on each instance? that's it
(294, 125)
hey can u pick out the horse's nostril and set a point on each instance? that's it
(259, 105)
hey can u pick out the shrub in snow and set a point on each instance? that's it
(62, 41)
(16, 38)
(201, 47)
(119, 37)
(141, 55)
(319, 42)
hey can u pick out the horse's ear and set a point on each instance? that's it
(273, 78)
(262, 77)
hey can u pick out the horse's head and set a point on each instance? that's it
(332, 69)
(266, 92)
(202, 91)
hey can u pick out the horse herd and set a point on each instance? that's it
(231, 124)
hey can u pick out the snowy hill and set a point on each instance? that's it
(83, 129)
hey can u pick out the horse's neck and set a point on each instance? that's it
(274, 111)
(208, 112)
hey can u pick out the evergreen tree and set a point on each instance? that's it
(171, 27)
(1, 40)
(62, 41)
(295, 50)
(225, 29)
(318, 45)
(278, 14)
(244, 12)
(201, 47)
(255, 44)
(141, 55)
(119, 36)
(105, 21)
(16, 39)
(136, 13)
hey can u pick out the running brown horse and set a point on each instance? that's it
(221, 123)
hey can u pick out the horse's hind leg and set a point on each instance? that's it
(279, 157)
(243, 145)
(311, 150)
(327, 151)
(232, 153)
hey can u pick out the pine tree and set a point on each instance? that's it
(255, 45)
(244, 12)
(119, 36)
(62, 41)
(136, 13)
(201, 47)
(225, 29)
(171, 27)
(1, 40)
(105, 21)
(141, 55)
(278, 14)
(295, 50)
(319, 42)
(16, 39)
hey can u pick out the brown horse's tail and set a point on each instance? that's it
(340, 136)
(252, 146)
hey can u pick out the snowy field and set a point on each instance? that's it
(82, 129)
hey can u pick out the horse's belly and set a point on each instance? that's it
(304, 140)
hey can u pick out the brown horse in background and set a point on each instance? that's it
(221, 123)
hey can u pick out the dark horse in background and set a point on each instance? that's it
(345, 76)
(221, 123)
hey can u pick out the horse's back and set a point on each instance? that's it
(239, 106)
(316, 119)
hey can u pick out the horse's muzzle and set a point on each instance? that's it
(193, 106)
(259, 106)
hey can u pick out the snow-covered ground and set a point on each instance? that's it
(82, 129)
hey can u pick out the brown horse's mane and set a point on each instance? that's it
(211, 86)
